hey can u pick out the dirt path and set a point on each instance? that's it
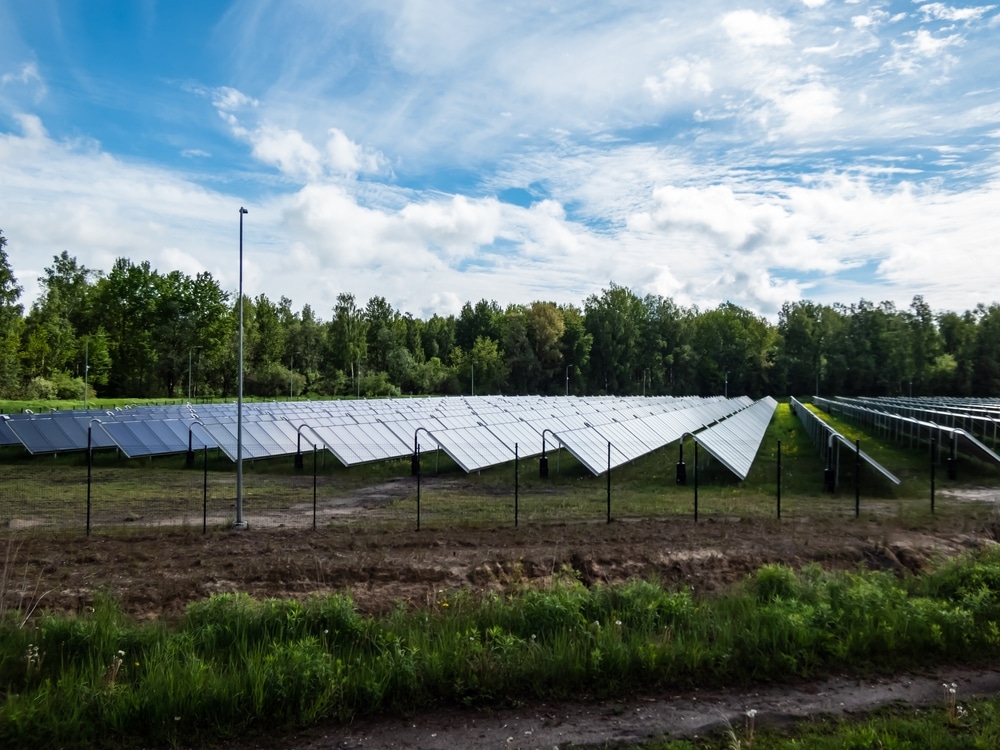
(613, 723)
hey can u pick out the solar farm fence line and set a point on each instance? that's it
(52, 493)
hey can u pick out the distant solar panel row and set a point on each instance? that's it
(475, 432)
(829, 442)
(900, 425)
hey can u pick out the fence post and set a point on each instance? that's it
(90, 461)
(933, 468)
(696, 481)
(857, 478)
(779, 480)
(315, 452)
(204, 491)
(515, 485)
(416, 468)
(609, 481)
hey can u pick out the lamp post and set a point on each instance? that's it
(190, 352)
(291, 374)
(240, 523)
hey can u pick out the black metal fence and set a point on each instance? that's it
(110, 492)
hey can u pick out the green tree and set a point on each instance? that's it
(11, 312)
(125, 304)
(575, 348)
(986, 371)
(484, 320)
(666, 350)
(806, 331)
(616, 320)
(520, 362)
(347, 342)
(953, 372)
(382, 335)
(545, 327)
(439, 337)
(482, 368)
(737, 350)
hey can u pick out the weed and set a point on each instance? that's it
(26, 592)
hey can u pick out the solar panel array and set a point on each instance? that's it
(829, 442)
(476, 432)
(974, 415)
(735, 440)
(901, 426)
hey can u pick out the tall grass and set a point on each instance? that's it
(236, 663)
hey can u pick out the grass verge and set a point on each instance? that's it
(236, 664)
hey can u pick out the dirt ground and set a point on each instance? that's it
(155, 573)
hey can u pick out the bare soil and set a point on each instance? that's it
(155, 573)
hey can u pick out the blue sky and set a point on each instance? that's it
(437, 152)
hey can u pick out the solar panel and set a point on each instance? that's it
(735, 440)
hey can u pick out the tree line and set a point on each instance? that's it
(135, 332)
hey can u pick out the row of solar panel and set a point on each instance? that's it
(475, 432)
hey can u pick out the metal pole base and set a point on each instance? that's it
(239, 525)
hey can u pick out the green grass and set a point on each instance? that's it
(236, 664)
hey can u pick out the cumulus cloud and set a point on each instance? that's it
(922, 47)
(290, 151)
(680, 77)
(942, 12)
(750, 29)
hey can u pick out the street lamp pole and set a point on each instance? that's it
(240, 523)
(291, 374)
(190, 352)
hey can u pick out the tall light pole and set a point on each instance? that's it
(567, 378)
(86, 371)
(190, 352)
(291, 374)
(240, 523)
(472, 371)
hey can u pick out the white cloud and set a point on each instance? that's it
(872, 19)
(814, 3)
(924, 47)
(807, 108)
(747, 28)
(942, 12)
(230, 100)
(288, 151)
(928, 45)
(26, 75)
(681, 77)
